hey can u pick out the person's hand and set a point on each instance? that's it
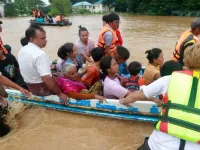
(64, 98)
(100, 98)
(25, 92)
(126, 101)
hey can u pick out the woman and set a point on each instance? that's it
(112, 87)
(152, 70)
(72, 85)
(84, 45)
(175, 128)
(68, 53)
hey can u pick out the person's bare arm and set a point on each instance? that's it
(51, 85)
(87, 57)
(8, 83)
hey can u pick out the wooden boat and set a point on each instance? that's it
(49, 24)
(141, 110)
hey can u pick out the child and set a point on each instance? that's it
(121, 55)
(93, 71)
(112, 87)
(152, 70)
(135, 81)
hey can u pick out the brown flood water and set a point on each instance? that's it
(38, 128)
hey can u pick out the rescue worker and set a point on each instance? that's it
(107, 39)
(178, 126)
(187, 38)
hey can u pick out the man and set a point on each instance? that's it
(108, 38)
(35, 64)
(1, 43)
(187, 38)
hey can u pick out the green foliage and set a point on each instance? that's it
(60, 7)
(10, 10)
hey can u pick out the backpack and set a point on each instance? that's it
(131, 85)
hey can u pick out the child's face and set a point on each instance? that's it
(114, 67)
(118, 58)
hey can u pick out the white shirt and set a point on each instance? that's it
(160, 140)
(33, 63)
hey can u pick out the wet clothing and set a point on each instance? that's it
(123, 69)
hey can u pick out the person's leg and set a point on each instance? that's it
(145, 145)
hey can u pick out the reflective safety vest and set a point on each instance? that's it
(101, 42)
(186, 39)
(180, 115)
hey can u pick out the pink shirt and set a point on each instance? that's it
(113, 89)
(82, 48)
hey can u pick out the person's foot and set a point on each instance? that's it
(3, 92)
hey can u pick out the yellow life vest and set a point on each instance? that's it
(180, 115)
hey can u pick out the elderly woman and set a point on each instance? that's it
(72, 85)
(179, 124)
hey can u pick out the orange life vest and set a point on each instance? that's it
(101, 42)
(186, 39)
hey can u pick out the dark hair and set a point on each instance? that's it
(8, 48)
(153, 54)
(97, 54)
(64, 49)
(169, 67)
(81, 29)
(112, 17)
(105, 65)
(31, 31)
(134, 68)
(105, 18)
(24, 41)
(123, 52)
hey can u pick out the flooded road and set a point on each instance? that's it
(38, 128)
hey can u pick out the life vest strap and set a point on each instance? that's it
(182, 107)
(182, 144)
(181, 123)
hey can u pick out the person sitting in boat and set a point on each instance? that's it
(49, 19)
(134, 82)
(84, 45)
(4, 128)
(121, 55)
(39, 20)
(119, 40)
(34, 13)
(69, 51)
(60, 19)
(93, 72)
(72, 85)
(177, 127)
(152, 70)
(36, 72)
(9, 67)
(112, 86)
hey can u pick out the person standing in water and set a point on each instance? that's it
(188, 38)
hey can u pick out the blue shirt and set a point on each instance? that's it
(79, 61)
(39, 20)
(123, 69)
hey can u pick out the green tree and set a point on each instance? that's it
(109, 3)
(60, 7)
(10, 10)
(21, 6)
